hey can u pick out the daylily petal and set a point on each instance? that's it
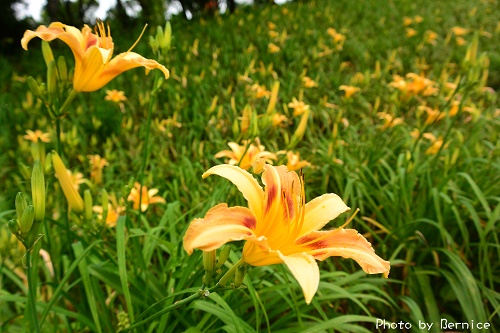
(320, 211)
(219, 226)
(121, 63)
(88, 71)
(245, 182)
(305, 269)
(347, 243)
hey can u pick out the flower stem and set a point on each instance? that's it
(33, 319)
(199, 294)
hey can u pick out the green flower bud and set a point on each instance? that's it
(14, 227)
(75, 201)
(239, 275)
(104, 203)
(38, 190)
(209, 265)
(87, 198)
(62, 68)
(27, 220)
(166, 41)
(48, 56)
(52, 80)
(35, 89)
(21, 204)
(223, 255)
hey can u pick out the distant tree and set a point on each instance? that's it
(11, 29)
(153, 11)
(72, 13)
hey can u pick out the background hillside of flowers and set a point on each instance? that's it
(395, 108)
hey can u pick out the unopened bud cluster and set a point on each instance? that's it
(30, 216)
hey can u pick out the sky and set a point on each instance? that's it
(33, 8)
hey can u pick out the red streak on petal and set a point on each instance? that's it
(250, 222)
(271, 196)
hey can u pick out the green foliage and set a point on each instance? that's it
(431, 209)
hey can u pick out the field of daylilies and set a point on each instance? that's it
(319, 166)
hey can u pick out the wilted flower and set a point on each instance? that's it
(94, 65)
(280, 227)
(247, 154)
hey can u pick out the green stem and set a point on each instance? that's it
(31, 294)
(146, 144)
(199, 294)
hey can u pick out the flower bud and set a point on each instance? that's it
(48, 56)
(14, 227)
(301, 129)
(223, 255)
(35, 89)
(21, 204)
(166, 41)
(52, 80)
(274, 97)
(27, 219)
(209, 265)
(87, 197)
(62, 69)
(239, 275)
(75, 201)
(38, 191)
(105, 205)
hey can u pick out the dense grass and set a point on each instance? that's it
(434, 215)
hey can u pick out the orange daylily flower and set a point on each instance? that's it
(389, 120)
(148, 197)
(308, 82)
(280, 227)
(115, 210)
(94, 65)
(273, 48)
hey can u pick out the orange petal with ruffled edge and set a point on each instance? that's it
(346, 243)
(245, 183)
(305, 270)
(219, 226)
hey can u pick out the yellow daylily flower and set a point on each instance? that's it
(273, 48)
(116, 96)
(36, 136)
(299, 107)
(294, 162)
(349, 90)
(115, 210)
(97, 163)
(94, 65)
(246, 157)
(280, 227)
(148, 197)
(308, 82)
